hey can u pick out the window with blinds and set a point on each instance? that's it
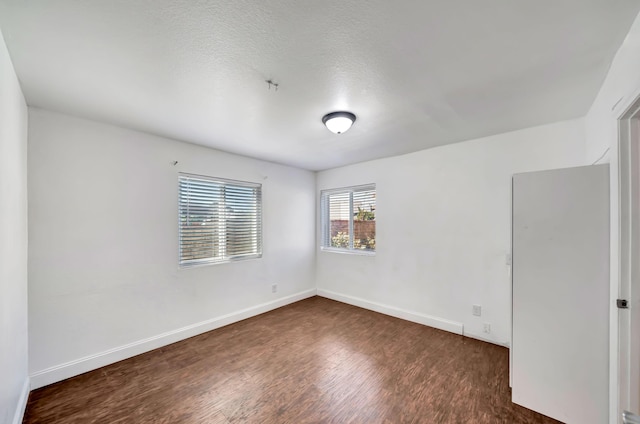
(348, 217)
(219, 220)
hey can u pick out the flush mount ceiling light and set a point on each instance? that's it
(339, 122)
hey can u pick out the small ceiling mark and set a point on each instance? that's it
(174, 162)
(272, 84)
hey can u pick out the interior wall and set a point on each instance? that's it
(103, 253)
(443, 227)
(620, 88)
(621, 85)
(13, 243)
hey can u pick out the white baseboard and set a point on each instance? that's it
(484, 339)
(431, 321)
(70, 369)
(22, 403)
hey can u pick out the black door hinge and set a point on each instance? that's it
(622, 304)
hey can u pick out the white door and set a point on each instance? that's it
(561, 293)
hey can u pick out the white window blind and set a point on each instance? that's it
(219, 220)
(348, 218)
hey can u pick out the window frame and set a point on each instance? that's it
(215, 260)
(325, 220)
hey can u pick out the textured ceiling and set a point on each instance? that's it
(417, 73)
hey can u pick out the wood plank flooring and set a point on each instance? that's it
(315, 361)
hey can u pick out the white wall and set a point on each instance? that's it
(620, 88)
(103, 252)
(13, 243)
(443, 227)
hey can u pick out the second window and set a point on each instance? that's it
(349, 218)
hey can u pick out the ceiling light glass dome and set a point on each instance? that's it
(339, 122)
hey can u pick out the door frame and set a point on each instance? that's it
(624, 373)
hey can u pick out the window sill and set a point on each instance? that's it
(230, 260)
(356, 252)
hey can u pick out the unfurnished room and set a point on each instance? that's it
(320, 212)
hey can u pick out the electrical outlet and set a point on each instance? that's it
(487, 327)
(477, 310)
(274, 288)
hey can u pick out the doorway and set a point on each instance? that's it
(628, 319)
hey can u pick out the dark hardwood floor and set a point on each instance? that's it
(315, 361)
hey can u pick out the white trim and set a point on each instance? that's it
(22, 403)
(484, 339)
(88, 363)
(428, 320)
(626, 111)
(345, 251)
(625, 103)
(359, 187)
(620, 112)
